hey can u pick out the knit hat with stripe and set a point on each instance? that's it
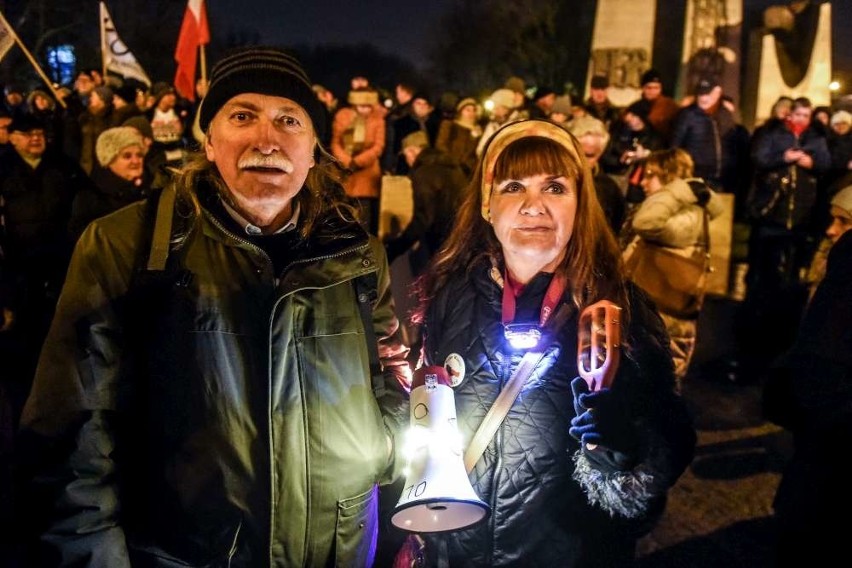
(263, 70)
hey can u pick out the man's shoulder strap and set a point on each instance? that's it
(162, 205)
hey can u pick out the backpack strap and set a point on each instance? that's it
(366, 290)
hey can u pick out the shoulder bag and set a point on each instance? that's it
(676, 283)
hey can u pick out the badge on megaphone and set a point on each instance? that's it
(437, 496)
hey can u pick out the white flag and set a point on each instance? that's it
(117, 57)
(7, 38)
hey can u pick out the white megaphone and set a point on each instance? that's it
(437, 495)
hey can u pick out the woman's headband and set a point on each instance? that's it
(512, 132)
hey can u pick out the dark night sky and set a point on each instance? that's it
(400, 26)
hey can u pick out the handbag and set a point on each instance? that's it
(676, 283)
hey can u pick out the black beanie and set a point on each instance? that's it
(651, 76)
(264, 70)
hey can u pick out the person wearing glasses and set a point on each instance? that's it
(672, 215)
(37, 187)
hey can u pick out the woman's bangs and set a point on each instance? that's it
(533, 156)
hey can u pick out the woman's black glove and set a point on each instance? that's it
(602, 426)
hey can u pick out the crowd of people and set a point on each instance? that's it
(200, 407)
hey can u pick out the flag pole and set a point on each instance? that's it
(203, 63)
(101, 8)
(29, 55)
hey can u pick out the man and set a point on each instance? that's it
(330, 103)
(788, 158)
(437, 183)
(598, 104)
(403, 94)
(594, 138)
(543, 100)
(707, 130)
(633, 138)
(662, 109)
(13, 100)
(421, 117)
(223, 406)
(37, 188)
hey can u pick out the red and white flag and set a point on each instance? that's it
(194, 33)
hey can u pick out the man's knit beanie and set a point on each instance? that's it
(264, 70)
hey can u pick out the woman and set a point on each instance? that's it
(357, 141)
(459, 136)
(672, 215)
(531, 234)
(120, 179)
(594, 138)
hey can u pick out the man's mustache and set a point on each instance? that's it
(267, 161)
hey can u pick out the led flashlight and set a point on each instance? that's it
(522, 335)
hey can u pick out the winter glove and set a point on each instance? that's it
(602, 427)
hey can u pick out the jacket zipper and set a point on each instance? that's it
(272, 491)
(269, 400)
(346, 251)
(718, 144)
(233, 549)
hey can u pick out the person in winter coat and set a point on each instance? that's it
(97, 117)
(357, 141)
(572, 478)
(238, 400)
(789, 158)
(594, 138)
(43, 106)
(119, 179)
(633, 138)
(438, 184)
(708, 131)
(816, 374)
(672, 215)
(459, 136)
(37, 188)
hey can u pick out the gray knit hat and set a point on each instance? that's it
(264, 70)
(113, 140)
